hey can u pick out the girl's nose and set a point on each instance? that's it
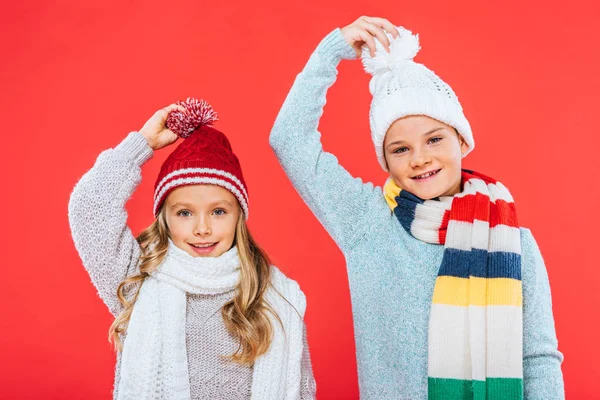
(202, 227)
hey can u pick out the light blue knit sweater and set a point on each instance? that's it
(392, 274)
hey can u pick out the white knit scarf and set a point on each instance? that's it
(154, 362)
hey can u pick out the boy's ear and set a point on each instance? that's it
(464, 147)
(385, 159)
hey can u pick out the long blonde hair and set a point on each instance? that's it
(245, 316)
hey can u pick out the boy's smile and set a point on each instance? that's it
(424, 156)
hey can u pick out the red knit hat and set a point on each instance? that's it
(204, 157)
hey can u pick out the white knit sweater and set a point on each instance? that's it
(110, 252)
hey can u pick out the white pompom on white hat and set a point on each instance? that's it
(401, 87)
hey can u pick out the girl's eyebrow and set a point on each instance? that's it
(181, 204)
(431, 132)
(189, 205)
(223, 201)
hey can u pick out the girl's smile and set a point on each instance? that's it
(202, 219)
(203, 248)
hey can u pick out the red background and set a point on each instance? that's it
(78, 77)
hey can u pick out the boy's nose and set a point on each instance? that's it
(419, 158)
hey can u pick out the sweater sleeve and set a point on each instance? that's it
(336, 198)
(542, 375)
(98, 218)
(308, 387)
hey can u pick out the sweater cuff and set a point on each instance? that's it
(136, 148)
(334, 48)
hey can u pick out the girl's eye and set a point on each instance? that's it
(184, 213)
(400, 150)
(219, 211)
(435, 139)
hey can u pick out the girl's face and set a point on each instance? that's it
(202, 219)
(424, 156)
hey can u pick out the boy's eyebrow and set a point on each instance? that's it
(434, 130)
(431, 132)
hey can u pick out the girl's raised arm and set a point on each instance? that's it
(97, 214)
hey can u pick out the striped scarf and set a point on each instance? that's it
(476, 320)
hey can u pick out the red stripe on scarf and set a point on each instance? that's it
(471, 207)
(499, 213)
(444, 227)
(466, 175)
(503, 213)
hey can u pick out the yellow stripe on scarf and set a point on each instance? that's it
(476, 291)
(390, 192)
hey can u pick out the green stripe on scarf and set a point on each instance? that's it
(456, 389)
(472, 334)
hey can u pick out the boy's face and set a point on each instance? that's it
(424, 156)
(202, 219)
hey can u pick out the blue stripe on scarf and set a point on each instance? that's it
(499, 264)
(405, 209)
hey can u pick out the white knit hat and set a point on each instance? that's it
(402, 87)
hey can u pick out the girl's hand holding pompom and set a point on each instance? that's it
(155, 130)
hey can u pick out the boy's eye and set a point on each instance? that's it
(400, 150)
(435, 139)
(184, 213)
(219, 211)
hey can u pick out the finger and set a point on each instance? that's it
(170, 133)
(385, 24)
(160, 115)
(369, 41)
(173, 107)
(358, 49)
(379, 33)
(166, 137)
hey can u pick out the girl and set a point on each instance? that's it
(450, 297)
(202, 312)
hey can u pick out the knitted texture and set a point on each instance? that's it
(220, 378)
(154, 361)
(476, 321)
(402, 87)
(219, 274)
(109, 253)
(204, 157)
(391, 273)
(195, 114)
